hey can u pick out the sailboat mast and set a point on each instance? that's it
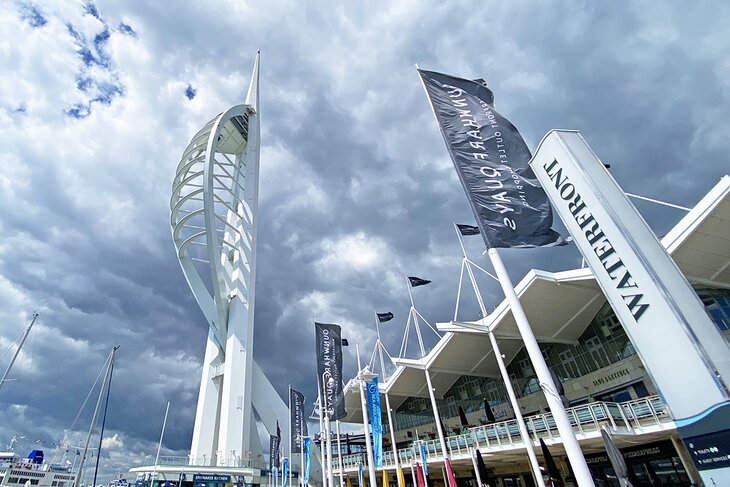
(15, 355)
(103, 418)
(93, 422)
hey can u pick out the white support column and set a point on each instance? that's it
(570, 442)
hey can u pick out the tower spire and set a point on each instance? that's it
(252, 97)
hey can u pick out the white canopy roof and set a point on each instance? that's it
(559, 305)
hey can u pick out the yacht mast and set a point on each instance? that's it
(106, 407)
(109, 362)
(15, 355)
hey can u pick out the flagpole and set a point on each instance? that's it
(379, 344)
(327, 427)
(321, 437)
(387, 402)
(301, 445)
(570, 442)
(472, 454)
(431, 394)
(365, 423)
(392, 438)
(339, 451)
(535, 466)
(290, 445)
(301, 453)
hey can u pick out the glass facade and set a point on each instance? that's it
(717, 302)
(603, 343)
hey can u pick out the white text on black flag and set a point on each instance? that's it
(491, 159)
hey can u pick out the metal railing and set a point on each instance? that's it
(231, 461)
(633, 417)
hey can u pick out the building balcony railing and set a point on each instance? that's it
(635, 417)
(185, 461)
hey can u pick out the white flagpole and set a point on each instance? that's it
(321, 436)
(366, 424)
(301, 445)
(339, 451)
(536, 473)
(301, 454)
(570, 442)
(291, 467)
(472, 454)
(391, 426)
(431, 394)
(328, 432)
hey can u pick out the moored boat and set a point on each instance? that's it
(33, 471)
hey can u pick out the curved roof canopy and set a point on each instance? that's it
(559, 305)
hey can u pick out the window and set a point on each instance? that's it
(596, 351)
(717, 303)
(493, 392)
(525, 367)
(570, 366)
(640, 390)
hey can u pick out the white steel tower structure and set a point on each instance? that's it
(213, 213)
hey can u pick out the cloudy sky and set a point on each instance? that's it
(98, 101)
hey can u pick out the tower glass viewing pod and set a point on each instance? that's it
(213, 214)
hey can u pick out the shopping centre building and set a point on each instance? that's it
(583, 342)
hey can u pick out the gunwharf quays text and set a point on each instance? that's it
(604, 250)
(491, 182)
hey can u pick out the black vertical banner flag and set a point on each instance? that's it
(492, 162)
(296, 419)
(274, 451)
(329, 367)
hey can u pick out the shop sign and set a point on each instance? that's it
(210, 477)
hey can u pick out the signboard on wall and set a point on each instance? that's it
(655, 303)
(210, 477)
